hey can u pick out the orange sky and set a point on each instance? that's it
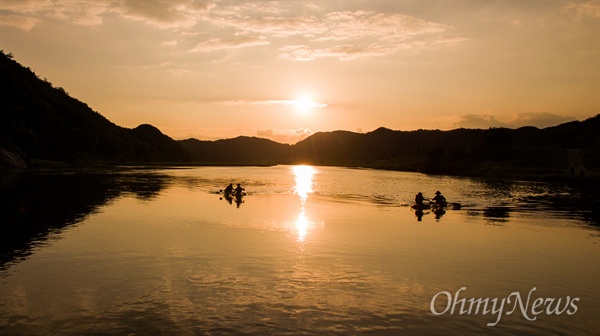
(219, 69)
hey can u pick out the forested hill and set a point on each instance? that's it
(41, 122)
(237, 151)
(523, 152)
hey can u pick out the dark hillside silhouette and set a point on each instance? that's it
(42, 122)
(524, 152)
(237, 151)
(157, 147)
(328, 148)
(10, 154)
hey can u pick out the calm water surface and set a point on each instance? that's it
(308, 251)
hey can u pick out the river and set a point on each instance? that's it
(308, 251)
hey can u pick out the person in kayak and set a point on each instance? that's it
(239, 190)
(439, 198)
(419, 199)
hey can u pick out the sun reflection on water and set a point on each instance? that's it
(303, 176)
(301, 226)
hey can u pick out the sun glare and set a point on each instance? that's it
(304, 104)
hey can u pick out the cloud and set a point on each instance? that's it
(479, 121)
(265, 7)
(26, 14)
(354, 35)
(298, 31)
(585, 9)
(349, 52)
(25, 6)
(290, 136)
(19, 21)
(344, 52)
(303, 25)
(88, 13)
(332, 26)
(228, 44)
(166, 66)
(162, 14)
(259, 102)
(370, 34)
(538, 119)
(267, 102)
(487, 120)
(387, 26)
(265, 133)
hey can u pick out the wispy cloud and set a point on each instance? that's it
(383, 26)
(539, 119)
(89, 13)
(18, 21)
(235, 42)
(271, 102)
(166, 66)
(345, 52)
(344, 35)
(585, 9)
(298, 31)
(290, 136)
(163, 14)
(487, 120)
(26, 14)
(258, 102)
(303, 25)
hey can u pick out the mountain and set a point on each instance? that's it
(237, 151)
(523, 152)
(40, 122)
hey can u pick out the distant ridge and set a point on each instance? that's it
(523, 152)
(40, 124)
(237, 151)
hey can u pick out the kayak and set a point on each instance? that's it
(420, 206)
(234, 194)
(429, 205)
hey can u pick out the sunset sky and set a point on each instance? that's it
(286, 69)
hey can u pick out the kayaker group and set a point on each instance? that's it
(230, 191)
(438, 199)
(230, 194)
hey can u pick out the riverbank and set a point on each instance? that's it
(489, 170)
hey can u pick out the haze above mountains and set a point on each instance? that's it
(42, 125)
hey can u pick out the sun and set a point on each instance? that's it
(304, 104)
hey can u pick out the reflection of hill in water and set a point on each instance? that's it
(503, 197)
(34, 205)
